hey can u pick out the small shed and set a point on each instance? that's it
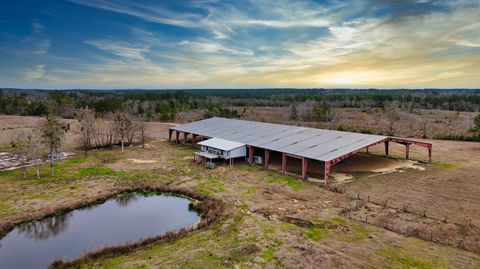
(217, 148)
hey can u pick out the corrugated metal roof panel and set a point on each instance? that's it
(222, 144)
(317, 144)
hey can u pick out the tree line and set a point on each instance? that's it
(165, 105)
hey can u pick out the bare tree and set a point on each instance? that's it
(140, 124)
(29, 147)
(476, 123)
(35, 148)
(392, 113)
(20, 148)
(86, 117)
(134, 121)
(293, 113)
(377, 117)
(53, 132)
(424, 130)
(104, 133)
(123, 126)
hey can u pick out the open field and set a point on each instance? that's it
(273, 220)
(270, 221)
(376, 121)
(12, 125)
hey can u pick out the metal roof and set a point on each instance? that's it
(318, 144)
(222, 144)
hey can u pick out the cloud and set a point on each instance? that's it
(267, 43)
(35, 73)
(213, 47)
(146, 12)
(284, 23)
(42, 47)
(121, 49)
(37, 27)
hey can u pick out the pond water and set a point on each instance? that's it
(124, 218)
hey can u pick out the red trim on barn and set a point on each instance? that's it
(328, 164)
(267, 157)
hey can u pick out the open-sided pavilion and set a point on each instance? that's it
(304, 143)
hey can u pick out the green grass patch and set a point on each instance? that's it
(401, 259)
(105, 156)
(39, 196)
(295, 184)
(355, 235)
(5, 146)
(99, 171)
(339, 220)
(210, 185)
(268, 255)
(317, 233)
(77, 160)
(445, 165)
(6, 173)
(4, 207)
(321, 229)
(249, 191)
(247, 168)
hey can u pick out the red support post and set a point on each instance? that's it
(386, 148)
(250, 154)
(327, 172)
(430, 154)
(194, 140)
(267, 157)
(177, 136)
(304, 168)
(185, 137)
(284, 163)
(407, 151)
(170, 131)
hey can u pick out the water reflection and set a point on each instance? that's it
(125, 199)
(46, 228)
(123, 218)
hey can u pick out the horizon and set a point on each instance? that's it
(195, 45)
(239, 88)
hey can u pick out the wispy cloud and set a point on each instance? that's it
(37, 27)
(147, 12)
(42, 47)
(274, 43)
(213, 47)
(35, 73)
(122, 49)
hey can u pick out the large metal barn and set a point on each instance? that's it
(303, 143)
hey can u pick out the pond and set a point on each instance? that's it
(127, 217)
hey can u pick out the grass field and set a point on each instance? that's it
(270, 220)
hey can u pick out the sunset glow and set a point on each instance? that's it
(202, 44)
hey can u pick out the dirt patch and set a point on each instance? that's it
(463, 234)
(141, 161)
(374, 164)
(341, 177)
(449, 186)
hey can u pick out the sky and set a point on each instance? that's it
(111, 44)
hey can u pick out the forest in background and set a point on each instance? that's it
(297, 105)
